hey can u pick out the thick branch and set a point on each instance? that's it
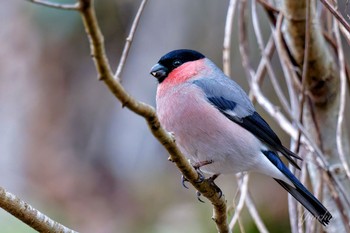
(29, 215)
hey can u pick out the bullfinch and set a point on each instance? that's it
(216, 125)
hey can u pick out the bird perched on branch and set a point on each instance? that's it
(216, 125)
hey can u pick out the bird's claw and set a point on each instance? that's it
(211, 181)
(201, 177)
(199, 196)
(197, 167)
(183, 181)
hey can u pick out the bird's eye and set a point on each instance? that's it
(177, 63)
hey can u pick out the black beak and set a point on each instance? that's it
(159, 71)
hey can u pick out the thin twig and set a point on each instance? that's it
(302, 178)
(318, 191)
(74, 7)
(243, 40)
(336, 14)
(27, 214)
(289, 70)
(272, 75)
(242, 187)
(255, 215)
(340, 123)
(318, 137)
(346, 33)
(243, 184)
(261, 70)
(129, 41)
(226, 57)
(305, 69)
(268, 6)
(240, 224)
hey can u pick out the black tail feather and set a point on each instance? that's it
(301, 194)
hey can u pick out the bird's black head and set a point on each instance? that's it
(172, 60)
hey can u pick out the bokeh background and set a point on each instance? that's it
(67, 146)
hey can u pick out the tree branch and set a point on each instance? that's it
(305, 70)
(73, 7)
(336, 14)
(29, 215)
(226, 57)
(255, 215)
(274, 81)
(129, 40)
(340, 123)
(243, 184)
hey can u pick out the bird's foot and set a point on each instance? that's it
(211, 181)
(201, 178)
(197, 167)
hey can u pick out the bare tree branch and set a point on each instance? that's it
(272, 75)
(336, 14)
(243, 184)
(27, 214)
(226, 57)
(340, 124)
(261, 70)
(129, 40)
(243, 40)
(255, 215)
(305, 70)
(73, 7)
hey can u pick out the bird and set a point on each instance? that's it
(216, 125)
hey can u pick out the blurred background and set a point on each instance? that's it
(67, 146)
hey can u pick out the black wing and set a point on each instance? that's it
(255, 124)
